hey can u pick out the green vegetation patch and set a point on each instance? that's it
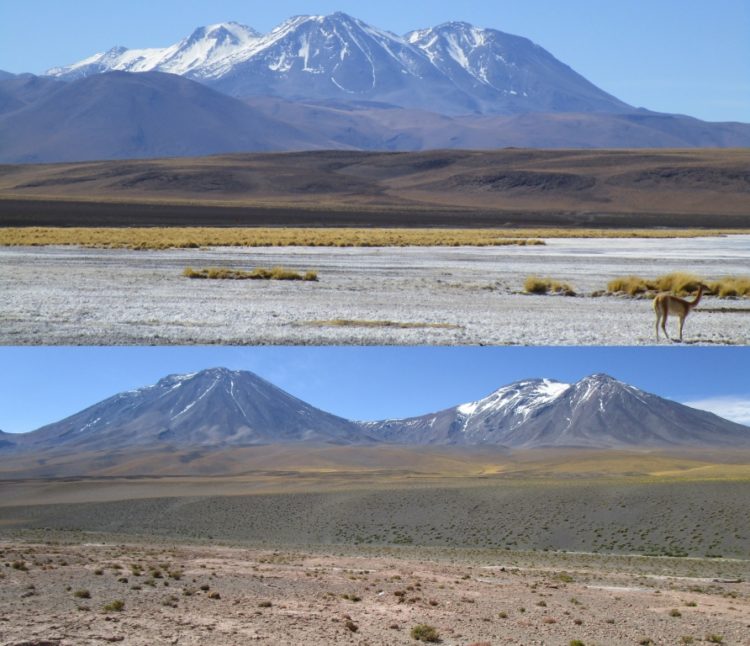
(425, 633)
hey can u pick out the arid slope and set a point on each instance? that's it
(459, 188)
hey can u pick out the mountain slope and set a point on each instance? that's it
(454, 68)
(120, 116)
(25, 89)
(596, 412)
(217, 408)
(6, 440)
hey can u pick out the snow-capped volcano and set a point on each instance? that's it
(215, 407)
(454, 68)
(596, 412)
(507, 73)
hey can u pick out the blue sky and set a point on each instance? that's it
(39, 385)
(667, 55)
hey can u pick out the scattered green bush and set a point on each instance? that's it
(425, 633)
(118, 605)
(82, 594)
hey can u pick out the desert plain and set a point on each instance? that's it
(604, 548)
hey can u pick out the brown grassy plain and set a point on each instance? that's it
(511, 187)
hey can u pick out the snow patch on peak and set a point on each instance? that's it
(520, 398)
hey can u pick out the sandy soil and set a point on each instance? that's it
(58, 295)
(191, 595)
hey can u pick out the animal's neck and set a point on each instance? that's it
(697, 299)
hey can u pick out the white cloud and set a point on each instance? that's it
(735, 408)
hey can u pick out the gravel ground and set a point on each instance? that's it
(57, 595)
(64, 295)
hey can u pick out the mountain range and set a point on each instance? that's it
(324, 82)
(454, 68)
(220, 408)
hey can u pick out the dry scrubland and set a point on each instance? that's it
(622, 516)
(72, 594)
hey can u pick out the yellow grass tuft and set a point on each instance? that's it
(681, 284)
(142, 238)
(538, 285)
(197, 237)
(260, 273)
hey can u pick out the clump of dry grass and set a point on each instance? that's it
(731, 287)
(681, 284)
(539, 285)
(259, 273)
(376, 324)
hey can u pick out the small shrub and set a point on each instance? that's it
(351, 625)
(265, 604)
(425, 633)
(20, 565)
(82, 594)
(675, 613)
(99, 572)
(576, 642)
(502, 614)
(214, 595)
(541, 604)
(537, 285)
(354, 598)
(714, 639)
(170, 601)
(259, 273)
(118, 605)
(686, 639)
